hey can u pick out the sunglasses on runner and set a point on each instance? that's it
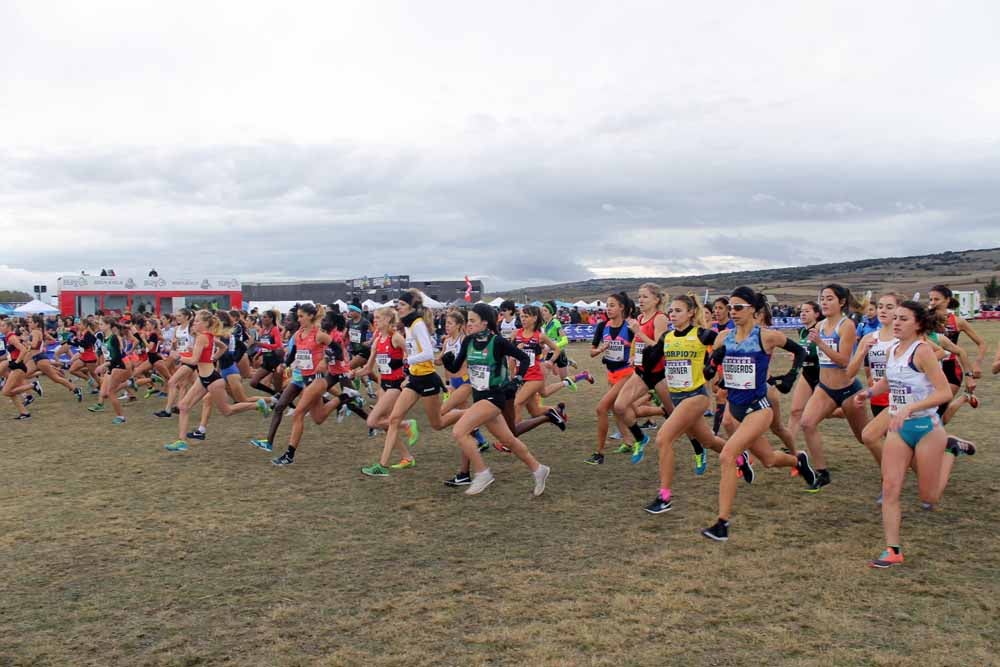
(739, 306)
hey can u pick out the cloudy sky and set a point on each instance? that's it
(522, 143)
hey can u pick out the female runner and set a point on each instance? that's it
(834, 338)
(917, 385)
(809, 314)
(16, 382)
(745, 355)
(36, 348)
(117, 374)
(613, 342)
(942, 302)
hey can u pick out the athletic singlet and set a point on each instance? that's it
(531, 346)
(414, 348)
(507, 329)
(206, 354)
(951, 332)
(337, 362)
(812, 356)
(452, 346)
(553, 330)
(388, 358)
(486, 372)
(876, 363)
(13, 350)
(729, 325)
(308, 352)
(649, 329)
(619, 350)
(357, 333)
(183, 338)
(745, 367)
(907, 385)
(833, 340)
(684, 356)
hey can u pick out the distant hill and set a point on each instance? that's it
(961, 270)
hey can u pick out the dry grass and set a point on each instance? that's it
(117, 552)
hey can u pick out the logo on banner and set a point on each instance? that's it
(155, 283)
(205, 284)
(129, 284)
(75, 282)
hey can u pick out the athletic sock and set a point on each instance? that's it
(200, 429)
(665, 495)
(698, 448)
(894, 547)
(636, 432)
(720, 409)
(580, 376)
(291, 452)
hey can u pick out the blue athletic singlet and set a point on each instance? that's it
(745, 367)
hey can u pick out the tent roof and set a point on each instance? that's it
(36, 307)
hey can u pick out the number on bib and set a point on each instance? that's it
(303, 360)
(740, 372)
(615, 351)
(637, 358)
(679, 374)
(383, 361)
(479, 377)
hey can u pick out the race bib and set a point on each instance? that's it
(615, 351)
(637, 359)
(3, 347)
(531, 357)
(824, 359)
(739, 372)
(878, 370)
(232, 344)
(355, 336)
(183, 344)
(303, 360)
(899, 395)
(411, 347)
(679, 374)
(383, 361)
(479, 377)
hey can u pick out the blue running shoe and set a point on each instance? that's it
(639, 449)
(262, 444)
(700, 463)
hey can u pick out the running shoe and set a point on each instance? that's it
(805, 469)
(561, 409)
(746, 468)
(822, 479)
(556, 419)
(404, 464)
(460, 479)
(175, 410)
(163, 414)
(125, 396)
(372, 432)
(445, 396)
(624, 449)
(79, 394)
(156, 378)
(28, 400)
(284, 460)
(483, 448)
(540, 476)
(36, 386)
(719, 532)
(176, 446)
(639, 450)
(94, 392)
(659, 505)
(263, 408)
(927, 507)
(588, 376)
(342, 413)
(501, 448)
(152, 391)
(958, 447)
(572, 363)
(973, 400)
(412, 431)
(118, 420)
(700, 463)
(289, 411)
(131, 383)
(97, 407)
(480, 482)
(571, 384)
(615, 436)
(375, 470)
(595, 459)
(91, 383)
(196, 435)
(888, 558)
(262, 444)
(648, 425)
(22, 417)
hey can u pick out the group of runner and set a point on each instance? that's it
(672, 358)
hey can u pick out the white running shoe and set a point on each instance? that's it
(479, 482)
(540, 476)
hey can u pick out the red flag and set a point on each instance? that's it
(468, 289)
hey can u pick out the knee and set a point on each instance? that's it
(727, 459)
(809, 424)
(891, 488)
(395, 420)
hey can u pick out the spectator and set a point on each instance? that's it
(574, 316)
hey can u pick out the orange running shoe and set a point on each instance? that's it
(887, 559)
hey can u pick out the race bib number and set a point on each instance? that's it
(878, 370)
(637, 359)
(739, 372)
(3, 347)
(355, 335)
(382, 361)
(232, 344)
(531, 357)
(679, 374)
(824, 359)
(615, 351)
(411, 347)
(183, 344)
(479, 377)
(303, 360)
(899, 395)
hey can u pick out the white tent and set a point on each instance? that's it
(582, 304)
(433, 303)
(368, 304)
(36, 307)
(497, 301)
(597, 305)
(341, 304)
(280, 306)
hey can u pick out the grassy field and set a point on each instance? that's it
(117, 552)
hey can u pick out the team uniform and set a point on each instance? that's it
(617, 356)
(652, 376)
(876, 360)
(684, 354)
(838, 396)
(421, 377)
(909, 385)
(744, 368)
